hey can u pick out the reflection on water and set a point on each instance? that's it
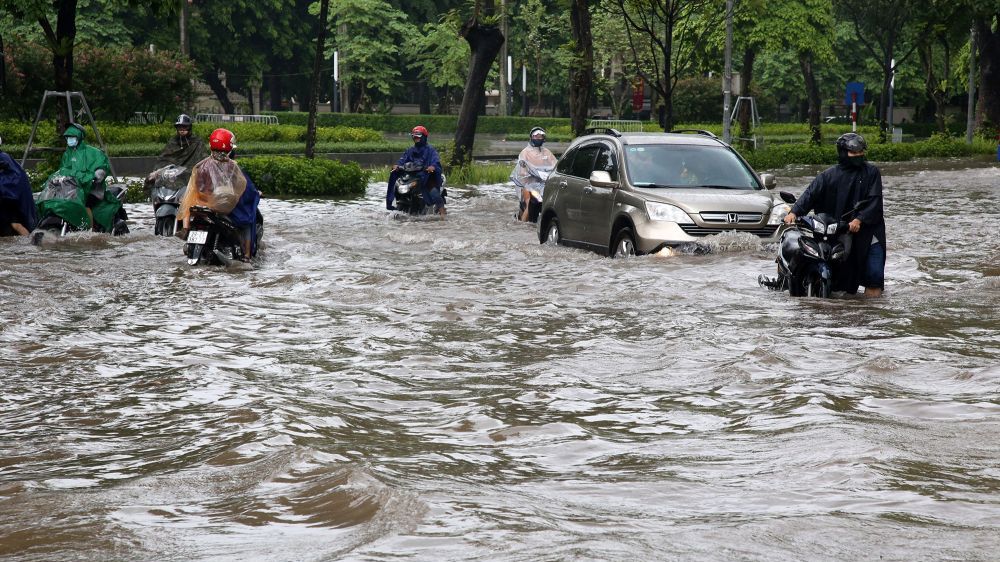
(382, 388)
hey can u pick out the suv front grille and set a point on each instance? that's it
(728, 218)
(695, 230)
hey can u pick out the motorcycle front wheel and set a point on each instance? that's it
(165, 226)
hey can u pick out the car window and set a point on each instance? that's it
(565, 164)
(672, 165)
(607, 162)
(583, 164)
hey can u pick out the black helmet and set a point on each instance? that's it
(183, 120)
(851, 142)
(537, 130)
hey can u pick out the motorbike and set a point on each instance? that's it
(166, 191)
(407, 182)
(535, 203)
(810, 252)
(67, 214)
(213, 239)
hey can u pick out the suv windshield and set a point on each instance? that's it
(672, 165)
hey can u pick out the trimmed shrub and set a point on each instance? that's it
(288, 176)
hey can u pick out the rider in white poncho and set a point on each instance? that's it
(534, 165)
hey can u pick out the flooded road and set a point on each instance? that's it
(384, 389)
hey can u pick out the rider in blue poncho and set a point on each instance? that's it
(421, 151)
(18, 214)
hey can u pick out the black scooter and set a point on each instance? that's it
(213, 239)
(810, 252)
(406, 183)
(166, 191)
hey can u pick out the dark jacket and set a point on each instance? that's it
(16, 201)
(835, 191)
(417, 153)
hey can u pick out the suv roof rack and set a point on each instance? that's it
(604, 130)
(699, 131)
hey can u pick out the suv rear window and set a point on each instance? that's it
(583, 164)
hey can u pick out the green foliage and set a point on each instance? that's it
(116, 81)
(439, 53)
(286, 176)
(697, 99)
(369, 46)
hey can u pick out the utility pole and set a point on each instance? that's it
(502, 110)
(727, 88)
(185, 12)
(970, 119)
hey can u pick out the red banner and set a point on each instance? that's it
(638, 90)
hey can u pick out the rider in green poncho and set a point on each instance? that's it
(95, 205)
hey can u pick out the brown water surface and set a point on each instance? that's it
(384, 389)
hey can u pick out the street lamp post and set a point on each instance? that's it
(524, 90)
(727, 88)
(335, 100)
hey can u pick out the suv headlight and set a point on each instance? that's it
(664, 212)
(778, 213)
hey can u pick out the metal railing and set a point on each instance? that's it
(145, 118)
(621, 125)
(230, 118)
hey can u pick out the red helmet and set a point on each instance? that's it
(222, 139)
(419, 130)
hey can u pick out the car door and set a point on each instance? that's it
(597, 203)
(572, 184)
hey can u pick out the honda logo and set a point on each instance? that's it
(732, 218)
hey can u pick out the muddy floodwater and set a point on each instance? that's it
(385, 389)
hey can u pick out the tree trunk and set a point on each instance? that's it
(211, 77)
(989, 68)
(746, 77)
(274, 92)
(812, 92)
(485, 42)
(581, 78)
(61, 41)
(425, 98)
(667, 111)
(324, 10)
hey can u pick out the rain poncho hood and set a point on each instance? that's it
(15, 190)
(533, 166)
(81, 163)
(215, 184)
(74, 130)
(183, 151)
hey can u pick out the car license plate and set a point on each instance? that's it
(197, 237)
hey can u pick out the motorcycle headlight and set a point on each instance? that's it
(778, 213)
(407, 187)
(809, 247)
(664, 212)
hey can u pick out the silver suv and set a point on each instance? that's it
(623, 194)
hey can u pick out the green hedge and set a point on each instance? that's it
(288, 176)
(436, 124)
(16, 132)
(248, 148)
(779, 156)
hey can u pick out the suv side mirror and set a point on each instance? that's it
(768, 181)
(600, 178)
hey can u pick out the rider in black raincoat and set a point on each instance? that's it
(837, 190)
